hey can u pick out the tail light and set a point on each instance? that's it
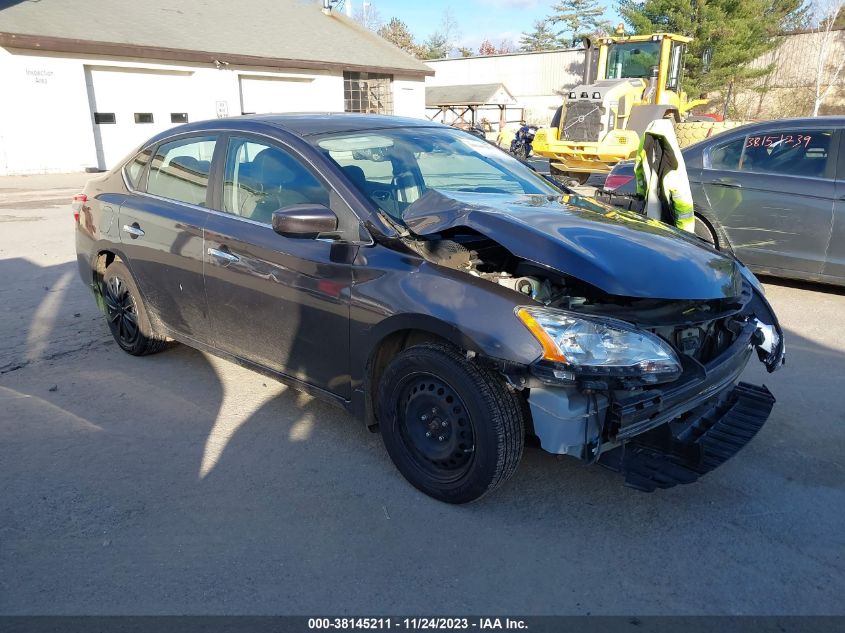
(614, 181)
(78, 203)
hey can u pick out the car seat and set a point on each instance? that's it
(275, 186)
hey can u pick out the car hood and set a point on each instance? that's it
(619, 252)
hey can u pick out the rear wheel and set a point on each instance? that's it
(126, 315)
(452, 427)
(578, 177)
(569, 178)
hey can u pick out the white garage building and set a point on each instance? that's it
(82, 83)
(535, 81)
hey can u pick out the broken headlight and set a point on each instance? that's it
(596, 349)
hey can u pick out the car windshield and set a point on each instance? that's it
(632, 60)
(395, 167)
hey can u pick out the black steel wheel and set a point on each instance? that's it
(435, 427)
(452, 427)
(125, 313)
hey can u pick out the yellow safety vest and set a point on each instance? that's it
(662, 176)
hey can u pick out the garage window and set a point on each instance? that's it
(370, 93)
(179, 170)
(104, 117)
(143, 117)
(178, 117)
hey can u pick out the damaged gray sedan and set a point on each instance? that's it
(438, 289)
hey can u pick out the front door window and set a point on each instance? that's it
(261, 179)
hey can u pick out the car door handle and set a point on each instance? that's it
(226, 256)
(726, 182)
(133, 229)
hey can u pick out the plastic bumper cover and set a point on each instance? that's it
(712, 433)
(662, 436)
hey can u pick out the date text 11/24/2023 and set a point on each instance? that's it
(417, 623)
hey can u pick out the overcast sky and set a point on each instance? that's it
(478, 19)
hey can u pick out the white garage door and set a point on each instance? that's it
(130, 106)
(261, 95)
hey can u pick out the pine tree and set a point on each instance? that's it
(542, 38)
(397, 33)
(736, 33)
(839, 23)
(579, 19)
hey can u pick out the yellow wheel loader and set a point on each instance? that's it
(637, 80)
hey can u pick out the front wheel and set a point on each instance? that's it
(452, 427)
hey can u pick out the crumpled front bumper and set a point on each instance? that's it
(663, 436)
(709, 435)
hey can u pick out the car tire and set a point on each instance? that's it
(569, 178)
(126, 314)
(703, 231)
(689, 132)
(452, 427)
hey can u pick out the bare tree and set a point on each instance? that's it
(440, 43)
(828, 66)
(368, 16)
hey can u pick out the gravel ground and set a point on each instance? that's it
(183, 484)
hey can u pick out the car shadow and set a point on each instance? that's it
(180, 483)
(184, 390)
(811, 286)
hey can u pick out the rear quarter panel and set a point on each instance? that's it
(98, 229)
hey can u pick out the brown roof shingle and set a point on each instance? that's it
(277, 30)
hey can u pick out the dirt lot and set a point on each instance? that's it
(181, 483)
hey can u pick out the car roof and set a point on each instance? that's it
(835, 121)
(813, 123)
(304, 124)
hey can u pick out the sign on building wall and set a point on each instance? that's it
(39, 76)
(222, 109)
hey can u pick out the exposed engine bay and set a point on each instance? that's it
(697, 329)
(657, 435)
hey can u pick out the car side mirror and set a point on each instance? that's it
(304, 220)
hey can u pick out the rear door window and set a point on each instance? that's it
(134, 169)
(180, 170)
